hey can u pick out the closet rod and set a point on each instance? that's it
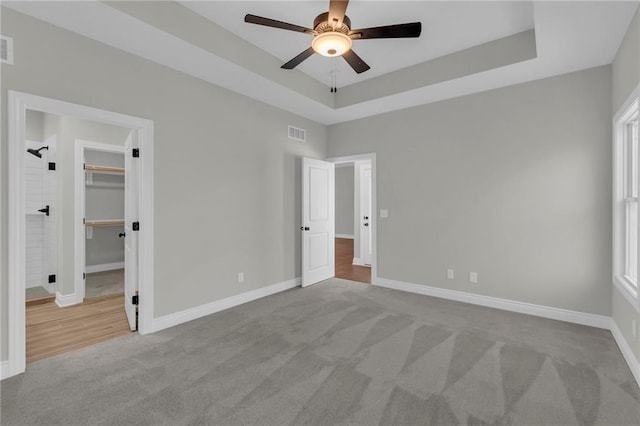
(104, 223)
(103, 169)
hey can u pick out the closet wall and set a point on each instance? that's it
(344, 200)
(104, 200)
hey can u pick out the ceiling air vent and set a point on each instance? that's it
(297, 134)
(6, 50)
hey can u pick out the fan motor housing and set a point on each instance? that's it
(321, 24)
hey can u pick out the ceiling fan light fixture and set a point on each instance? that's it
(331, 43)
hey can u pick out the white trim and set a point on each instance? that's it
(63, 300)
(592, 320)
(191, 314)
(374, 204)
(627, 353)
(347, 236)
(627, 293)
(81, 146)
(17, 104)
(4, 370)
(90, 269)
(357, 261)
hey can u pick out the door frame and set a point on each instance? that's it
(362, 170)
(17, 105)
(80, 246)
(374, 205)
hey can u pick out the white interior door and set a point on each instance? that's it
(365, 210)
(131, 236)
(318, 221)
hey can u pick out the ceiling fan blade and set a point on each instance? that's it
(412, 29)
(298, 59)
(356, 62)
(337, 9)
(259, 20)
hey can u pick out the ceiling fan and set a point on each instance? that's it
(333, 36)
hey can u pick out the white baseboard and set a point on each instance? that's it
(358, 261)
(63, 300)
(4, 370)
(90, 269)
(627, 353)
(191, 314)
(592, 320)
(347, 236)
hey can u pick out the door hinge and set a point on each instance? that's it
(134, 299)
(52, 279)
(135, 152)
(84, 276)
(135, 226)
(52, 166)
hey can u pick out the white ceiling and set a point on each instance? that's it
(447, 27)
(221, 49)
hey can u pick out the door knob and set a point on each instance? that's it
(45, 210)
(304, 228)
(366, 217)
(122, 234)
(366, 224)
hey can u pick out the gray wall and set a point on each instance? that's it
(626, 77)
(227, 195)
(34, 126)
(514, 184)
(344, 200)
(105, 200)
(626, 66)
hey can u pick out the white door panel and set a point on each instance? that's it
(365, 209)
(131, 236)
(318, 221)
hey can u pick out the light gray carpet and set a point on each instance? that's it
(104, 283)
(337, 353)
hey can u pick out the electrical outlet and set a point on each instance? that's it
(384, 213)
(473, 277)
(634, 328)
(450, 274)
(240, 277)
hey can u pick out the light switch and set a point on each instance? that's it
(384, 213)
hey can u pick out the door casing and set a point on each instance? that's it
(374, 205)
(17, 105)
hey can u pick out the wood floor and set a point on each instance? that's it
(344, 263)
(52, 330)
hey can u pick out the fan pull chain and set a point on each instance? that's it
(334, 89)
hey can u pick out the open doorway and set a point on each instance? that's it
(59, 321)
(102, 196)
(355, 242)
(353, 248)
(45, 250)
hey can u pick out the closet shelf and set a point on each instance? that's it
(104, 222)
(103, 169)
